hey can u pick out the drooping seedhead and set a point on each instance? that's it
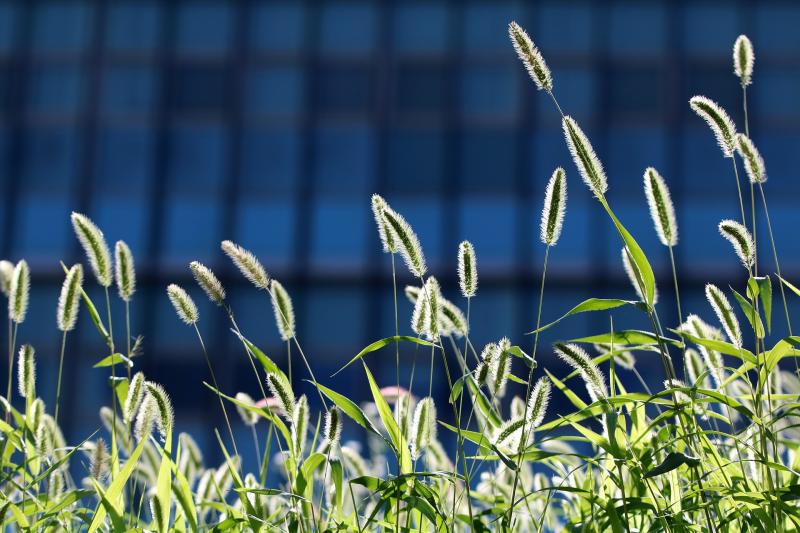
(555, 205)
(531, 57)
(661, 209)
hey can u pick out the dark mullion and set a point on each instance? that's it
(304, 193)
(19, 71)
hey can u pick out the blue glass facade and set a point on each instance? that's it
(176, 124)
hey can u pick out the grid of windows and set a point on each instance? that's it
(177, 124)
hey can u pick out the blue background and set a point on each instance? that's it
(175, 125)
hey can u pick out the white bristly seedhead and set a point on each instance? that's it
(467, 269)
(577, 358)
(589, 165)
(166, 415)
(697, 327)
(136, 392)
(661, 209)
(69, 299)
(379, 205)
(332, 431)
(432, 295)
(249, 418)
(281, 390)
(531, 57)
(407, 242)
(719, 122)
(95, 247)
(538, 401)
(743, 60)
(284, 311)
(6, 273)
(722, 308)
(740, 239)
(555, 205)
(125, 272)
(423, 427)
(753, 162)
(26, 371)
(146, 418)
(300, 418)
(19, 292)
(247, 263)
(208, 281)
(183, 304)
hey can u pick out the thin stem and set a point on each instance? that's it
(777, 262)
(219, 394)
(397, 374)
(12, 344)
(524, 440)
(60, 370)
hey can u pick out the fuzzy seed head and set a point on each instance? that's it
(711, 359)
(333, 427)
(407, 242)
(300, 418)
(743, 59)
(451, 319)
(537, 403)
(99, 460)
(379, 205)
(146, 418)
(125, 272)
(589, 165)
(412, 293)
(208, 281)
(419, 318)
(19, 292)
(741, 240)
(69, 299)
(719, 122)
(166, 415)
(722, 308)
(248, 417)
(423, 427)
(577, 358)
(403, 411)
(631, 271)
(467, 270)
(694, 368)
(661, 209)
(500, 366)
(555, 205)
(26, 371)
(247, 263)
(284, 311)
(136, 392)
(95, 247)
(509, 433)
(282, 392)
(183, 304)
(753, 162)
(531, 57)
(432, 295)
(6, 274)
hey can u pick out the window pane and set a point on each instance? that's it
(348, 28)
(62, 26)
(133, 26)
(421, 28)
(204, 27)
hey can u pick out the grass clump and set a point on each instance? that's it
(711, 448)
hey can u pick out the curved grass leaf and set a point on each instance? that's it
(671, 462)
(377, 345)
(586, 306)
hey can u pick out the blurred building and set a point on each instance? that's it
(176, 124)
